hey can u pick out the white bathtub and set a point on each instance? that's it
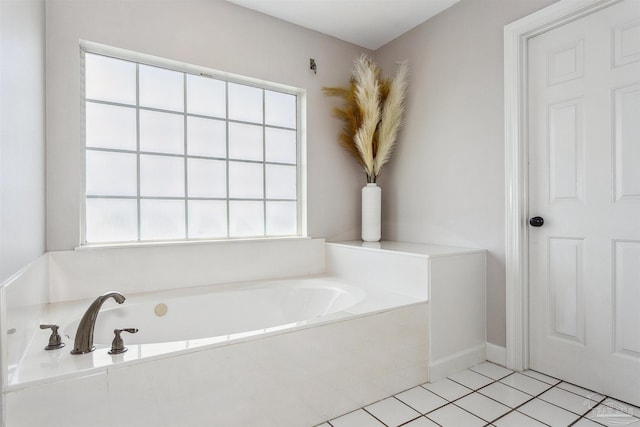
(292, 352)
(222, 312)
(289, 352)
(195, 318)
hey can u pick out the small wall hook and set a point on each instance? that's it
(313, 66)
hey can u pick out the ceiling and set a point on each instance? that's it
(367, 23)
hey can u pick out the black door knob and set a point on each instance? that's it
(536, 221)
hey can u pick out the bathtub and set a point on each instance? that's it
(222, 313)
(369, 323)
(317, 345)
(182, 320)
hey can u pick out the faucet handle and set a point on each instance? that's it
(117, 345)
(55, 341)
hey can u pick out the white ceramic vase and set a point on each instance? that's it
(371, 212)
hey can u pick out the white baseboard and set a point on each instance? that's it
(497, 354)
(440, 369)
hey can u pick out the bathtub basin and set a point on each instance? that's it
(184, 320)
(241, 310)
(278, 353)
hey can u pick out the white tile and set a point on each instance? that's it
(542, 377)
(584, 422)
(324, 425)
(609, 416)
(624, 407)
(525, 383)
(516, 419)
(567, 400)
(482, 406)
(452, 416)
(392, 412)
(421, 400)
(581, 391)
(470, 379)
(421, 422)
(359, 418)
(448, 389)
(548, 413)
(491, 370)
(506, 395)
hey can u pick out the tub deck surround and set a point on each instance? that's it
(371, 323)
(23, 300)
(197, 318)
(453, 279)
(293, 379)
(91, 271)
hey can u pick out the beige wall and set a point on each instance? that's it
(445, 183)
(22, 138)
(214, 34)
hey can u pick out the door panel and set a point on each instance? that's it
(566, 288)
(584, 180)
(627, 152)
(566, 150)
(627, 295)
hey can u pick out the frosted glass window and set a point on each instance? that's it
(206, 96)
(161, 88)
(162, 219)
(280, 182)
(207, 218)
(245, 180)
(110, 174)
(111, 220)
(171, 154)
(280, 109)
(245, 103)
(206, 137)
(246, 219)
(161, 176)
(245, 141)
(281, 218)
(280, 145)
(111, 127)
(207, 178)
(161, 132)
(109, 79)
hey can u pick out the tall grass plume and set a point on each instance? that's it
(372, 113)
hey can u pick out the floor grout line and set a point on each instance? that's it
(531, 397)
(381, 422)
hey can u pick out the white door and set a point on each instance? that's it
(584, 181)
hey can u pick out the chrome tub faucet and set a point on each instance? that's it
(84, 335)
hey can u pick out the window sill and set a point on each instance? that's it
(170, 243)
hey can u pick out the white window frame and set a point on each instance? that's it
(144, 59)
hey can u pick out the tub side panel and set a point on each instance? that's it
(24, 300)
(73, 403)
(90, 272)
(293, 379)
(399, 272)
(457, 313)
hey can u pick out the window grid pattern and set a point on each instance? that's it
(278, 196)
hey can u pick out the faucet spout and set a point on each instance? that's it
(84, 335)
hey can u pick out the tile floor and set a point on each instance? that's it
(490, 395)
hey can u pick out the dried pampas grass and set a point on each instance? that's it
(372, 114)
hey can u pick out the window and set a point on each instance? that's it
(172, 154)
